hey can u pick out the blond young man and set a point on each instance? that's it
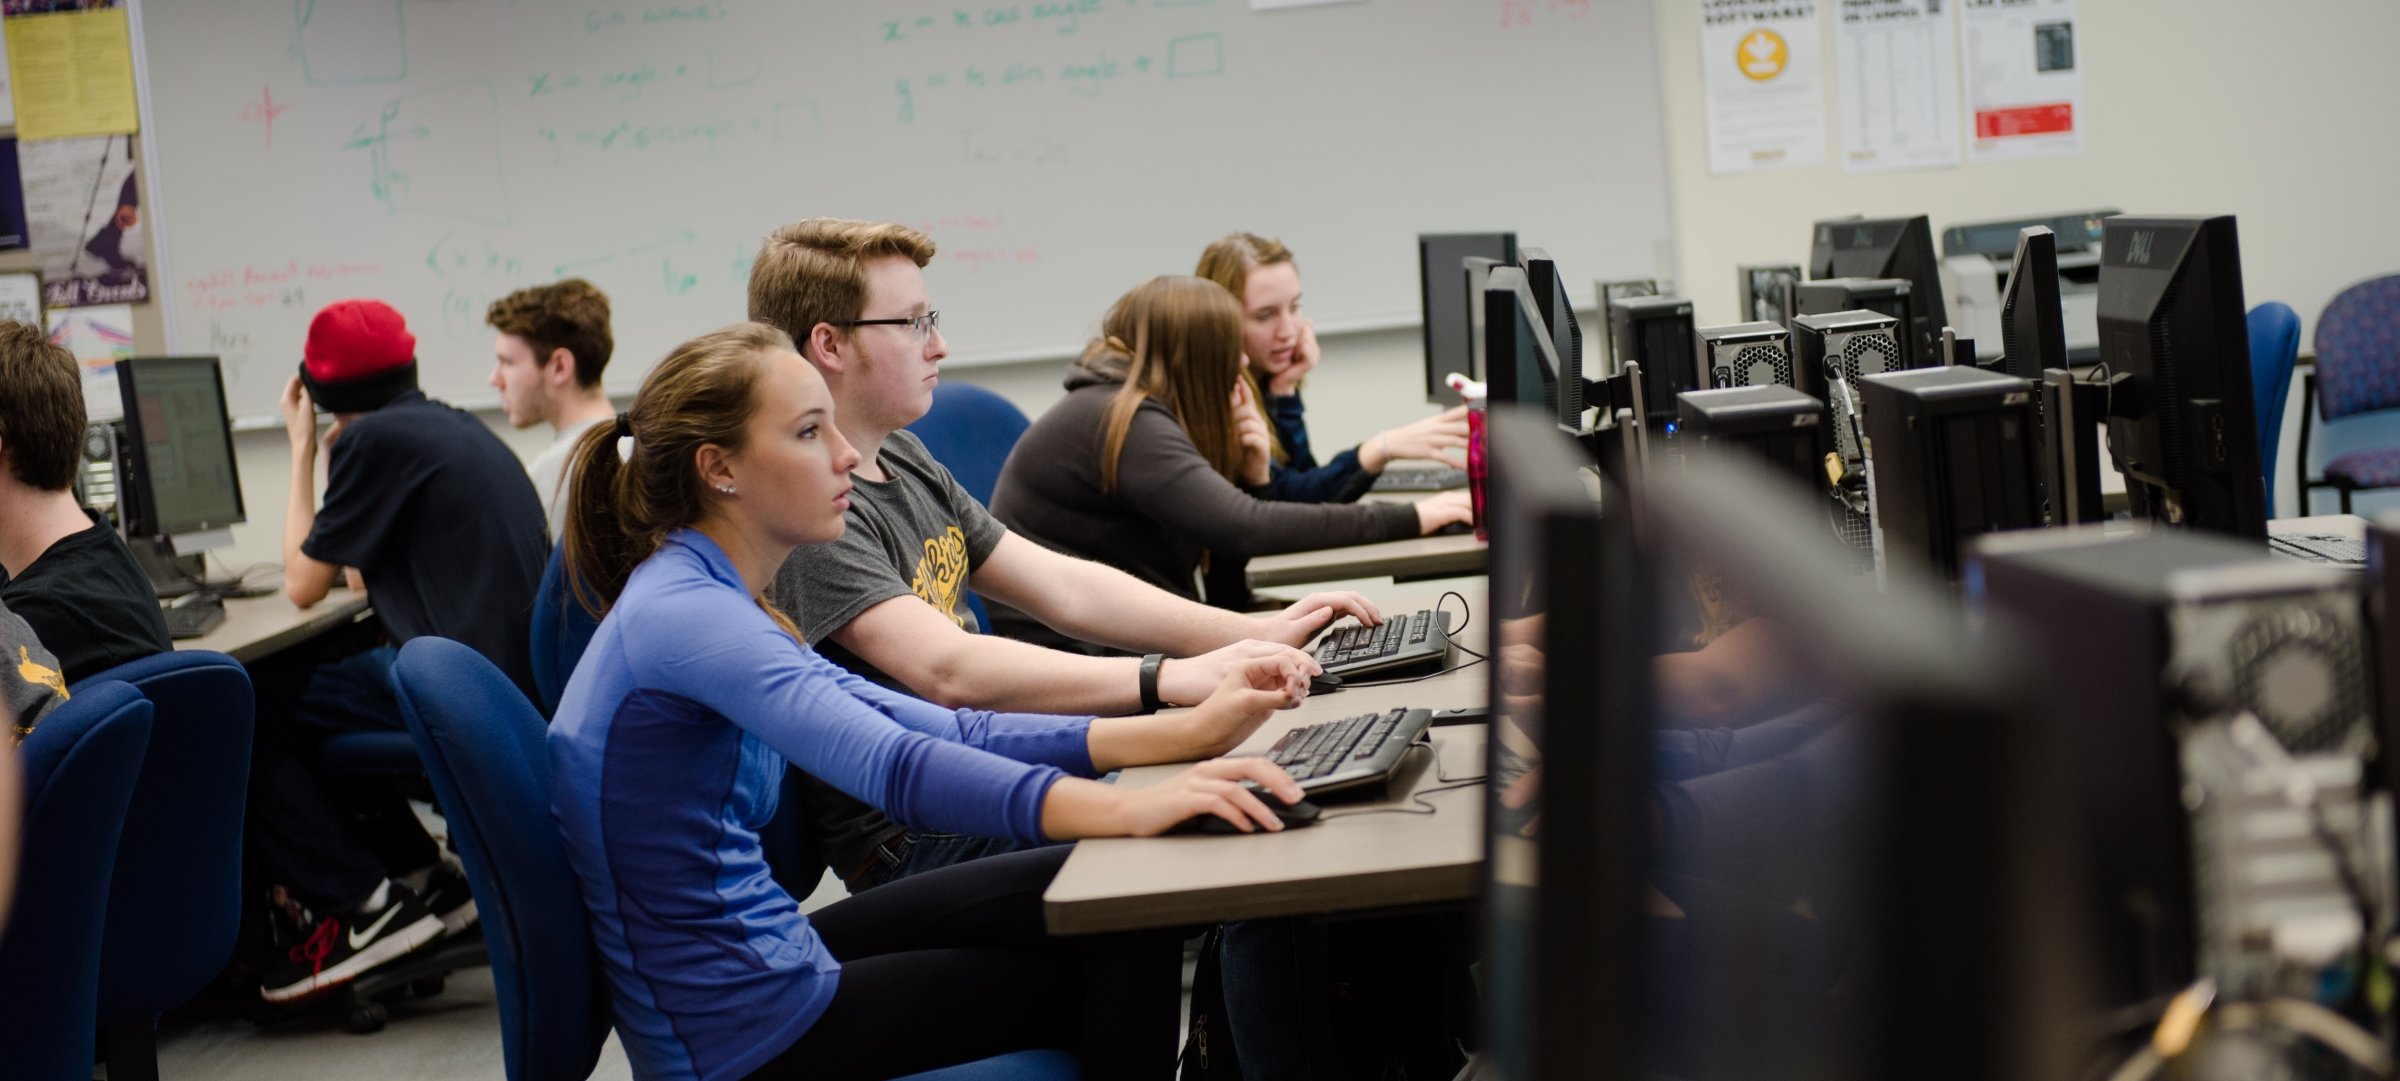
(888, 599)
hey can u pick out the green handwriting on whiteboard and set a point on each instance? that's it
(1187, 57)
(1057, 16)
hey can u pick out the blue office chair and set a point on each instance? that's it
(80, 766)
(561, 630)
(483, 746)
(970, 431)
(175, 903)
(2357, 372)
(2274, 351)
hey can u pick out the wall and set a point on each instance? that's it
(2194, 106)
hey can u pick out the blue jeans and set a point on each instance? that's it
(332, 840)
(1274, 976)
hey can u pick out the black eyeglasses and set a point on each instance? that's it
(924, 324)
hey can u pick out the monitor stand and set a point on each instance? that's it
(175, 574)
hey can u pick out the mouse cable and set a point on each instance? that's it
(1417, 797)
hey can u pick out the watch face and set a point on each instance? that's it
(97, 446)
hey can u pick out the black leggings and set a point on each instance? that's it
(953, 965)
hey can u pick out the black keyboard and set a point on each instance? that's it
(2320, 547)
(192, 619)
(1431, 478)
(1418, 640)
(1352, 753)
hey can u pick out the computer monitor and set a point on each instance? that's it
(1766, 290)
(1448, 310)
(1894, 297)
(1953, 456)
(1656, 332)
(1888, 248)
(1521, 360)
(1566, 332)
(1796, 879)
(2033, 328)
(2181, 423)
(179, 476)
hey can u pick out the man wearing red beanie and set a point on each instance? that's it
(436, 516)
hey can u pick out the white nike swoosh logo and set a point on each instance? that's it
(373, 929)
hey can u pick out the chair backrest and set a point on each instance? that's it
(80, 767)
(174, 905)
(482, 745)
(561, 630)
(970, 431)
(2358, 350)
(2274, 351)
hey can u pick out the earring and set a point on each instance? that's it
(725, 488)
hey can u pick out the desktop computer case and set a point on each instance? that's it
(2202, 681)
(1747, 355)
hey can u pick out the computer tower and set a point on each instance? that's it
(1953, 455)
(1829, 354)
(1747, 355)
(1655, 332)
(1780, 424)
(2219, 705)
(1894, 297)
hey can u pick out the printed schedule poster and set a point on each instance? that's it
(2024, 78)
(1762, 63)
(1896, 64)
(85, 218)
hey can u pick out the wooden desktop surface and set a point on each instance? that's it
(1416, 557)
(1344, 863)
(257, 626)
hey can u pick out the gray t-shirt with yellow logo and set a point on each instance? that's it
(917, 533)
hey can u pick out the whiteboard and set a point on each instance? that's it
(439, 154)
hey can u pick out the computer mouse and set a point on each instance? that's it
(1454, 529)
(1324, 683)
(1294, 815)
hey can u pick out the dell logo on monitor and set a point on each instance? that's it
(2137, 250)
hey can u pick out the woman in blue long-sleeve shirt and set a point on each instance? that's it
(672, 736)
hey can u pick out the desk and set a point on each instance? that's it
(1341, 864)
(257, 626)
(1416, 557)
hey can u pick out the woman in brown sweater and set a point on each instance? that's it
(1135, 468)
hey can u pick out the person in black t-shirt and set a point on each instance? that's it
(61, 568)
(435, 516)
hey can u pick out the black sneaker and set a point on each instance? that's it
(447, 895)
(342, 947)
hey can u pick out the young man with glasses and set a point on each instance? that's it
(888, 600)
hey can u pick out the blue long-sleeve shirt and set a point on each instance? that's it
(666, 756)
(1301, 479)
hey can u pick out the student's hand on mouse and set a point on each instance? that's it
(1250, 429)
(299, 416)
(1189, 680)
(1250, 693)
(1308, 615)
(1444, 508)
(1286, 383)
(1441, 437)
(1211, 787)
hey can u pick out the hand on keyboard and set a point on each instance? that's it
(1249, 694)
(1297, 624)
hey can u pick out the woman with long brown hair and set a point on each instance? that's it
(1280, 346)
(1137, 466)
(672, 737)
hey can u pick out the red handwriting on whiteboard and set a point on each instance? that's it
(978, 258)
(264, 111)
(267, 286)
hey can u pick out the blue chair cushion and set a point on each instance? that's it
(2366, 468)
(369, 752)
(2358, 350)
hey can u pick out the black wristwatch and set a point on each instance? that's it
(1151, 703)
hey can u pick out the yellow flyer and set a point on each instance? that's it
(72, 74)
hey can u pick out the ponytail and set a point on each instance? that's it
(620, 510)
